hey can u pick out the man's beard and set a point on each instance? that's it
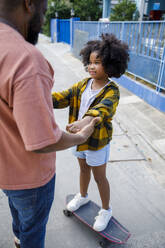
(34, 29)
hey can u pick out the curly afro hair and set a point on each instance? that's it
(113, 53)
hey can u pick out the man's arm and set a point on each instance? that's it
(68, 140)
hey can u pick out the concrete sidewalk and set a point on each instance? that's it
(136, 170)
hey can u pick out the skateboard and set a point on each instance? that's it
(114, 232)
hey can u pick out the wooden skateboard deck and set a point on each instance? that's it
(114, 232)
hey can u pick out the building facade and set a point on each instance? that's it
(148, 9)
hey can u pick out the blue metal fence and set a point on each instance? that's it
(64, 32)
(146, 42)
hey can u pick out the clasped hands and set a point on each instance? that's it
(79, 125)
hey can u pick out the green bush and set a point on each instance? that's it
(125, 10)
(84, 9)
(63, 10)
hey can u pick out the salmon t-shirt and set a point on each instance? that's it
(26, 113)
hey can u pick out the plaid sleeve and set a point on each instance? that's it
(63, 99)
(106, 108)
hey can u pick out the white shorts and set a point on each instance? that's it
(93, 158)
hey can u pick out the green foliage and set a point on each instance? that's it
(125, 10)
(87, 9)
(63, 10)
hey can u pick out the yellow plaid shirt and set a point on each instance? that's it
(103, 106)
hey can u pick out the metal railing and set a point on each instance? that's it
(146, 41)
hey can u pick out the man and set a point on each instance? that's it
(28, 131)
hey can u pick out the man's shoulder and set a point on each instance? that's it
(14, 42)
(16, 46)
(32, 56)
(28, 52)
(25, 59)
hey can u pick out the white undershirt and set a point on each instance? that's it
(88, 96)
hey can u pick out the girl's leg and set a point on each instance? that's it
(99, 174)
(85, 176)
(81, 198)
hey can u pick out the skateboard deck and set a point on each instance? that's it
(114, 232)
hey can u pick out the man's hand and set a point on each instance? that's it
(88, 129)
(68, 139)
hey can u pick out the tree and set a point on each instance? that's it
(126, 10)
(87, 9)
(61, 7)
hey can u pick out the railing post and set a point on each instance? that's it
(52, 30)
(98, 29)
(71, 32)
(56, 34)
(122, 32)
(139, 37)
(161, 70)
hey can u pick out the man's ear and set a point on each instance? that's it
(29, 5)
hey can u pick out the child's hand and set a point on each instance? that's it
(76, 126)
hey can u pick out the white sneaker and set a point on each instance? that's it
(77, 202)
(102, 219)
(16, 242)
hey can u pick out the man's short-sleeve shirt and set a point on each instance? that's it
(26, 113)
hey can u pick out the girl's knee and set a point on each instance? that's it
(100, 180)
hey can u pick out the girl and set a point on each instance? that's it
(95, 96)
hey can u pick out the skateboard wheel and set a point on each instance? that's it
(67, 213)
(103, 244)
